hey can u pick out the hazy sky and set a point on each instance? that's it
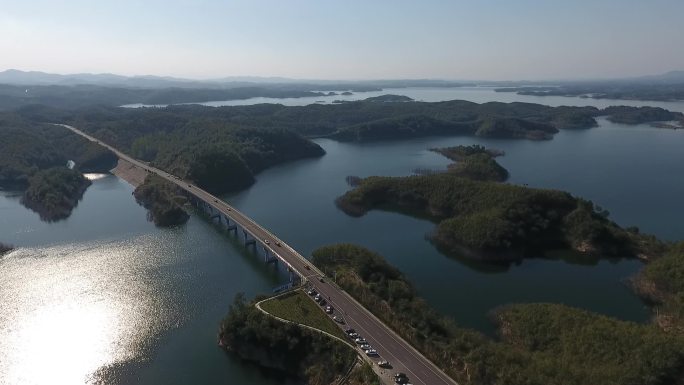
(345, 39)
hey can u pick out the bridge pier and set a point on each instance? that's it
(269, 258)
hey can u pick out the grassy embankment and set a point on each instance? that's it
(260, 338)
(299, 308)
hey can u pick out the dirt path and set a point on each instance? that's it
(129, 172)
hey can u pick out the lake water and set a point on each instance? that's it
(438, 94)
(104, 296)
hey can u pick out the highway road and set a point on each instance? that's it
(391, 347)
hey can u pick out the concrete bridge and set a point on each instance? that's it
(393, 348)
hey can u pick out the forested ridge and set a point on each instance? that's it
(498, 221)
(537, 343)
(27, 147)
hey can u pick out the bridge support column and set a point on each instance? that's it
(232, 228)
(269, 258)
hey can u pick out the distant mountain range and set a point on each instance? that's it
(18, 77)
(668, 77)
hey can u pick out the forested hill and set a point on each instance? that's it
(79, 96)
(191, 142)
(27, 147)
(498, 221)
(222, 148)
(381, 118)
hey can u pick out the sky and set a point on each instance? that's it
(345, 39)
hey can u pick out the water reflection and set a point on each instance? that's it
(58, 322)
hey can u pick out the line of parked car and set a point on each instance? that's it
(321, 301)
(399, 378)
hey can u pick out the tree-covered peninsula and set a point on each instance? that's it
(196, 144)
(669, 90)
(474, 162)
(53, 193)
(661, 282)
(257, 337)
(497, 221)
(27, 147)
(537, 344)
(162, 200)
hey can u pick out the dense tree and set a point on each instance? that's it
(162, 200)
(257, 337)
(54, 192)
(499, 221)
(539, 343)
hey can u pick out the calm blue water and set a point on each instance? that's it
(125, 302)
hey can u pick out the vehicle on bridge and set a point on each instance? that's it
(400, 378)
(384, 364)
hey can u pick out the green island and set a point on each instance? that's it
(658, 90)
(252, 335)
(639, 115)
(474, 162)
(497, 221)
(54, 192)
(162, 200)
(538, 343)
(5, 248)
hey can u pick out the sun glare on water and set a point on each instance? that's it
(59, 342)
(68, 312)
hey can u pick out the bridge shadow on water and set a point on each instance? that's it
(249, 248)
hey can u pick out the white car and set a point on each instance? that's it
(384, 364)
(360, 340)
(371, 352)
